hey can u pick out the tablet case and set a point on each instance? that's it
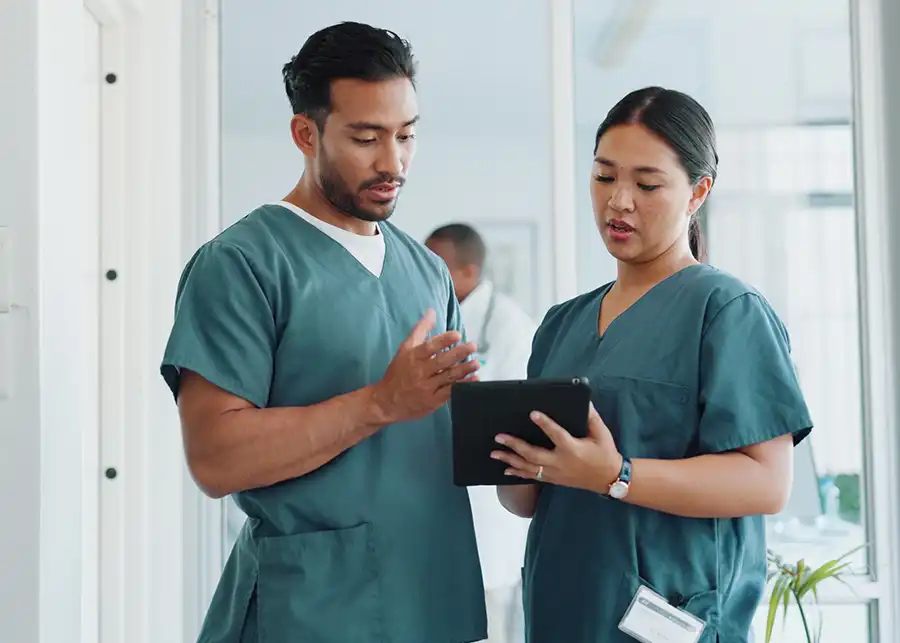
(481, 410)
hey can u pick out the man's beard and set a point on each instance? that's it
(338, 193)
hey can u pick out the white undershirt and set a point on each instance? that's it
(367, 250)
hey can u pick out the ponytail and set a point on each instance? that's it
(696, 240)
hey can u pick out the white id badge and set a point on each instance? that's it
(651, 619)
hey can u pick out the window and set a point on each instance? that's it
(781, 216)
(840, 624)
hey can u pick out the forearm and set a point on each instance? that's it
(726, 485)
(520, 500)
(250, 448)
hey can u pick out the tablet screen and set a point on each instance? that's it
(481, 410)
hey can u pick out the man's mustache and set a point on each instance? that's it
(384, 178)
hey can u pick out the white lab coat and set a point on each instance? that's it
(507, 335)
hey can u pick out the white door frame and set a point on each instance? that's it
(879, 287)
(107, 590)
(90, 489)
(148, 544)
(202, 193)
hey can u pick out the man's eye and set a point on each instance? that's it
(364, 141)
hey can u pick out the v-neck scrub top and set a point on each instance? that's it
(378, 544)
(700, 364)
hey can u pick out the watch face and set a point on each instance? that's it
(618, 490)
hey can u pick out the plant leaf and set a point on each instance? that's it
(798, 580)
(788, 592)
(831, 569)
(802, 572)
(778, 591)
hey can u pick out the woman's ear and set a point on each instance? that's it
(701, 191)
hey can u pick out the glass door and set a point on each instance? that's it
(777, 80)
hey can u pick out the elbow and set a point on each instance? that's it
(775, 499)
(770, 479)
(216, 493)
(208, 479)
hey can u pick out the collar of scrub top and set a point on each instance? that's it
(473, 303)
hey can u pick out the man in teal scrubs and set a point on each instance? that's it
(312, 353)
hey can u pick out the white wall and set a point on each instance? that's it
(67, 313)
(20, 429)
(53, 391)
(51, 471)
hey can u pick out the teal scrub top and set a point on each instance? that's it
(700, 365)
(378, 544)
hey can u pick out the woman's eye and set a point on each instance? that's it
(647, 188)
(364, 141)
(603, 179)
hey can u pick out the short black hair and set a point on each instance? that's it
(344, 50)
(684, 124)
(469, 246)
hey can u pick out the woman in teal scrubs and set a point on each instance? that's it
(695, 410)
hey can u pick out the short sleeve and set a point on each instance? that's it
(224, 327)
(749, 390)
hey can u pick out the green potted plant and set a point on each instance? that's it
(797, 583)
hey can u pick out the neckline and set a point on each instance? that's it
(598, 309)
(336, 246)
(323, 225)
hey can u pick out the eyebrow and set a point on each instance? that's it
(645, 169)
(375, 126)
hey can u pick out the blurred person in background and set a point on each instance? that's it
(502, 331)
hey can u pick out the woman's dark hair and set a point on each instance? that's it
(684, 125)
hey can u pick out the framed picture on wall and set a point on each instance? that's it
(512, 259)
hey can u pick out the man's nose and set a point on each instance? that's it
(390, 159)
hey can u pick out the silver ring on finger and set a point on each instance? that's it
(540, 473)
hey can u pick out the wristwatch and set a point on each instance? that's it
(619, 488)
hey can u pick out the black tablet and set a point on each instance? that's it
(481, 410)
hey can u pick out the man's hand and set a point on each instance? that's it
(419, 378)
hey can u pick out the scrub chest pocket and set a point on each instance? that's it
(646, 418)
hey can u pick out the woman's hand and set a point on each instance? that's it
(591, 463)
